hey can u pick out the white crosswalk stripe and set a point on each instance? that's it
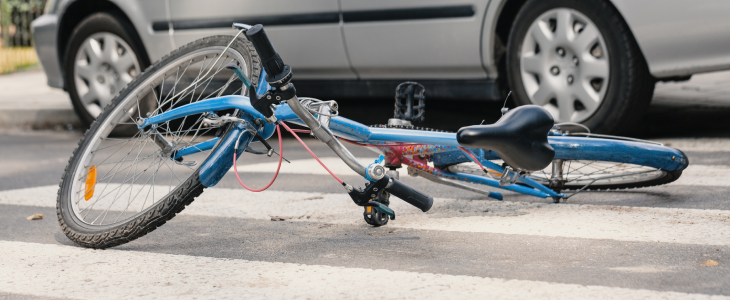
(698, 144)
(63, 271)
(697, 175)
(512, 249)
(640, 224)
(59, 271)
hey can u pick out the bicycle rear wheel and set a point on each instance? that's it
(121, 182)
(601, 164)
(602, 175)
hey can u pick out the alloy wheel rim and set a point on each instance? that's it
(135, 162)
(564, 65)
(104, 65)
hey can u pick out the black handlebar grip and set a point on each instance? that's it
(410, 195)
(269, 58)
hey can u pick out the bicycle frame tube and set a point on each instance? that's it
(566, 147)
(262, 86)
(482, 180)
(221, 160)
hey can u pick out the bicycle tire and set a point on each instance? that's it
(593, 173)
(103, 236)
(665, 177)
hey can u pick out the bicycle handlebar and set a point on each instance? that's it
(269, 58)
(279, 74)
(409, 194)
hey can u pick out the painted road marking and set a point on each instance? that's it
(698, 144)
(697, 175)
(640, 224)
(705, 175)
(65, 271)
(304, 166)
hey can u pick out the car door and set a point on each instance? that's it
(412, 39)
(306, 33)
(680, 37)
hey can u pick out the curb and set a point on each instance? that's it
(49, 118)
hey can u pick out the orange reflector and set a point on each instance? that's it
(90, 183)
(369, 209)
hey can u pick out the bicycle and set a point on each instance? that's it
(167, 137)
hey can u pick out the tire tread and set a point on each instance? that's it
(172, 205)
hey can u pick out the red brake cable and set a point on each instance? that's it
(474, 159)
(312, 153)
(281, 155)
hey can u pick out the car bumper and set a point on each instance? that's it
(45, 33)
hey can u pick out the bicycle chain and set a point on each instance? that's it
(409, 127)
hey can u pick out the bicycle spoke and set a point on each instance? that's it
(133, 172)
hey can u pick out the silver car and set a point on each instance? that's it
(593, 62)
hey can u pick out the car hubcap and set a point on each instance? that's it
(564, 65)
(104, 65)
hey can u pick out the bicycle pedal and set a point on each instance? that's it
(410, 104)
(374, 205)
(377, 214)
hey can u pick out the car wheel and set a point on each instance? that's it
(578, 60)
(101, 59)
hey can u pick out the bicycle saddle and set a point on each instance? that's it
(519, 137)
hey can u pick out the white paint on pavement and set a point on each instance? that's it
(698, 144)
(704, 175)
(638, 224)
(697, 175)
(306, 166)
(63, 271)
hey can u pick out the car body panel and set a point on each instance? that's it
(679, 37)
(47, 45)
(438, 48)
(458, 48)
(666, 31)
(45, 30)
(157, 44)
(490, 40)
(316, 51)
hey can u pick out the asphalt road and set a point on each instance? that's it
(640, 243)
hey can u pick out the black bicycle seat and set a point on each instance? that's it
(519, 137)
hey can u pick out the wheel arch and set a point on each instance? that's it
(502, 14)
(77, 11)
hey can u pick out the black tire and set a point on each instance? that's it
(665, 177)
(630, 86)
(669, 177)
(104, 236)
(95, 23)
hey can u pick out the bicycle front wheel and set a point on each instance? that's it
(121, 182)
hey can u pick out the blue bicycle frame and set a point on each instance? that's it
(566, 147)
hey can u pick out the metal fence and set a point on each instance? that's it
(15, 18)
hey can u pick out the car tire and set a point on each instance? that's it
(94, 73)
(579, 60)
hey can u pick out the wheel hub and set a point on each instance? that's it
(104, 65)
(564, 65)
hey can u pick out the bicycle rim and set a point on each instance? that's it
(589, 174)
(123, 172)
(576, 174)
